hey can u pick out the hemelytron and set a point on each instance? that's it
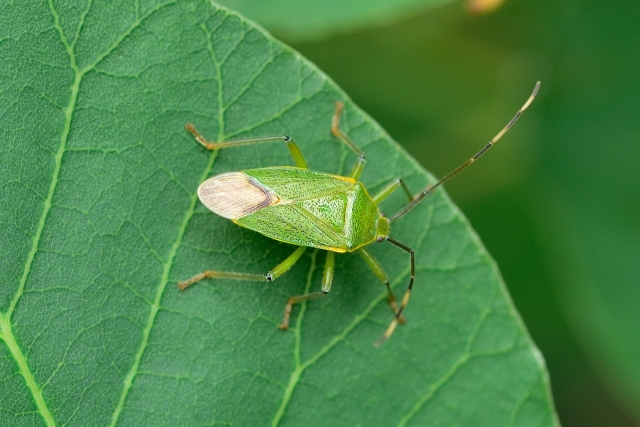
(312, 209)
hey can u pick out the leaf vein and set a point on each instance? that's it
(269, 119)
(252, 80)
(124, 35)
(155, 307)
(297, 373)
(128, 381)
(5, 320)
(81, 23)
(453, 369)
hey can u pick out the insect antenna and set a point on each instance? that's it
(475, 157)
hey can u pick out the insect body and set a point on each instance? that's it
(314, 209)
(297, 206)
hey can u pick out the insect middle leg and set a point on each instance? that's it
(375, 266)
(407, 294)
(327, 278)
(298, 158)
(335, 130)
(278, 271)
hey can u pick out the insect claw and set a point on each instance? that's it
(287, 313)
(198, 277)
(387, 333)
(192, 130)
(335, 121)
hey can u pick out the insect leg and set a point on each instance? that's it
(389, 189)
(278, 271)
(327, 278)
(298, 158)
(335, 130)
(375, 266)
(407, 294)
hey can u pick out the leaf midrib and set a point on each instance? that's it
(155, 307)
(5, 319)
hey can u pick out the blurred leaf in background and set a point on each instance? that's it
(559, 203)
(311, 19)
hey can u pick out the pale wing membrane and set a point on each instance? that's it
(235, 195)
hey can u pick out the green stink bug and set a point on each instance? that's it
(314, 209)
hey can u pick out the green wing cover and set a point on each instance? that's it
(317, 209)
(296, 184)
(291, 224)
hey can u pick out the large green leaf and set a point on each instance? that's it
(100, 220)
(312, 19)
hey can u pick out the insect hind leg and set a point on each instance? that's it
(327, 279)
(375, 266)
(278, 271)
(407, 294)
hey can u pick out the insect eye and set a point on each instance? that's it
(379, 239)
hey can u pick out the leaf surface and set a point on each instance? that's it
(100, 220)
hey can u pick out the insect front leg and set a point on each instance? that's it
(407, 294)
(278, 271)
(375, 266)
(327, 278)
(389, 189)
(298, 158)
(335, 130)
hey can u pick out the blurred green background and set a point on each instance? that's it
(557, 202)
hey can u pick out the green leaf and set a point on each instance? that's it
(100, 220)
(309, 19)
